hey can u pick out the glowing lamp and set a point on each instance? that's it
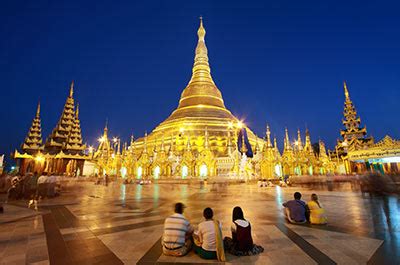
(240, 124)
(39, 158)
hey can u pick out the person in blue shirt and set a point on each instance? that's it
(295, 210)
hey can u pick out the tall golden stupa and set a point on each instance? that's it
(201, 107)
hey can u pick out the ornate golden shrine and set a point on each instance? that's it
(199, 140)
(63, 152)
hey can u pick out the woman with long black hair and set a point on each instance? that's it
(241, 243)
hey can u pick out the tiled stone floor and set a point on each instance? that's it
(120, 224)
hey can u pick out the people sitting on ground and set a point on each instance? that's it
(241, 243)
(295, 210)
(316, 211)
(282, 183)
(270, 184)
(208, 242)
(177, 237)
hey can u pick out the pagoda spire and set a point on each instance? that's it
(308, 146)
(201, 71)
(268, 134)
(104, 149)
(322, 150)
(299, 142)
(276, 150)
(354, 134)
(74, 143)
(33, 140)
(346, 91)
(71, 89)
(287, 145)
(57, 140)
(38, 110)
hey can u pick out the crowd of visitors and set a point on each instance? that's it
(299, 212)
(32, 187)
(179, 236)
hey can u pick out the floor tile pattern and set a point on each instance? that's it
(122, 224)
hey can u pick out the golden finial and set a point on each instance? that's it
(71, 89)
(201, 72)
(287, 141)
(268, 136)
(38, 110)
(346, 91)
(201, 32)
(77, 111)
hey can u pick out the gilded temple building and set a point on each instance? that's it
(202, 139)
(359, 152)
(63, 151)
(198, 138)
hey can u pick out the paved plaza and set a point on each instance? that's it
(123, 224)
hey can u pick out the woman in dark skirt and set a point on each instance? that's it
(241, 243)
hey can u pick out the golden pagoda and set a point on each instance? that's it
(203, 140)
(288, 158)
(358, 153)
(201, 105)
(33, 141)
(200, 133)
(354, 136)
(63, 152)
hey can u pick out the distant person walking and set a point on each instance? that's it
(316, 211)
(176, 240)
(295, 210)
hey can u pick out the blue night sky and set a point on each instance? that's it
(281, 62)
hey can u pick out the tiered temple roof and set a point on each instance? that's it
(354, 135)
(74, 143)
(33, 141)
(57, 140)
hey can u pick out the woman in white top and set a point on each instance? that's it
(206, 237)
